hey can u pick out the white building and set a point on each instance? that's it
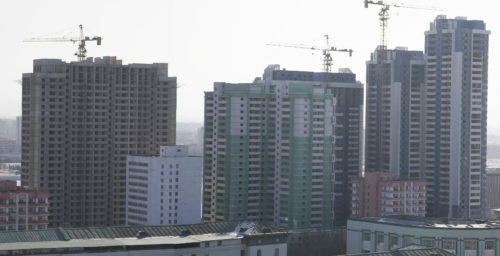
(462, 237)
(164, 190)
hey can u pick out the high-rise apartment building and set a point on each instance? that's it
(348, 128)
(80, 120)
(270, 147)
(164, 189)
(393, 112)
(455, 116)
(269, 154)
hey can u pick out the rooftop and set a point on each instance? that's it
(417, 221)
(70, 239)
(413, 250)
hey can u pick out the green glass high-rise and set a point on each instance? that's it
(269, 153)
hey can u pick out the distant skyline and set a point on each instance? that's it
(208, 41)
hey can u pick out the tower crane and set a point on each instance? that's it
(327, 50)
(384, 18)
(81, 53)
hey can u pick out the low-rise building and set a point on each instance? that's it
(165, 189)
(462, 237)
(205, 239)
(383, 194)
(21, 208)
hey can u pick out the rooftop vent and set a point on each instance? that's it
(141, 234)
(184, 232)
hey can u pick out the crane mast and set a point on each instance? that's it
(384, 19)
(81, 52)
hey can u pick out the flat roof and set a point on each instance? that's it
(425, 222)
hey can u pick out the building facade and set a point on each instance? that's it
(269, 153)
(458, 236)
(455, 120)
(393, 112)
(80, 120)
(22, 209)
(164, 190)
(206, 239)
(384, 194)
(348, 128)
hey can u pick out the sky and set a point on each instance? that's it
(222, 40)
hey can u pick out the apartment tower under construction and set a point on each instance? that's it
(80, 121)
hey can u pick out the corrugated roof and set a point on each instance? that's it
(31, 236)
(66, 234)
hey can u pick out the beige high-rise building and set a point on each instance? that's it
(80, 120)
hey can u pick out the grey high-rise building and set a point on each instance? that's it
(395, 86)
(80, 120)
(455, 117)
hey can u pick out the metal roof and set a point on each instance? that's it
(67, 234)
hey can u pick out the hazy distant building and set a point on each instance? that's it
(165, 189)
(393, 112)
(19, 120)
(8, 146)
(7, 128)
(455, 120)
(492, 189)
(384, 194)
(269, 153)
(22, 209)
(348, 128)
(80, 120)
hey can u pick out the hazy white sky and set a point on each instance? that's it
(221, 40)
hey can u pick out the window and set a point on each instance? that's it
(366, 241)
(489, 248)
(259, 252)
(449, 245)
(379, 242)
(207, 244)
(276, 252)
(408, 240)
(429, 242)
(393, 242)
(470, 247)
(219, 243)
